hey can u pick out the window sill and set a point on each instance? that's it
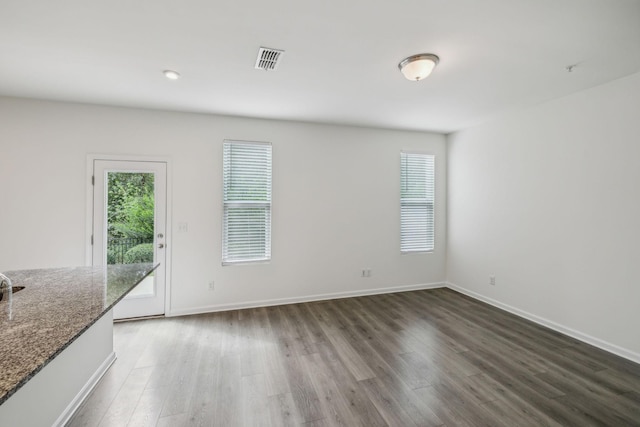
(247, 262)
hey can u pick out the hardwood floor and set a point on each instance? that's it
(423, 358)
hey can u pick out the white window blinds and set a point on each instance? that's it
(247, 202)
(417, 196)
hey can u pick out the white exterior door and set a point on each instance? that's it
(129, 226)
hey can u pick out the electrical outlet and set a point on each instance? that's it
(211, 285)
(366, 272)
(492, 280)
(183, 227)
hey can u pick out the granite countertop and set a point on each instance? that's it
(56, 306)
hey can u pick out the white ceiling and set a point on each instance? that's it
(341, 58)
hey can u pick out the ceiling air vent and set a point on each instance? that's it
(268, 59)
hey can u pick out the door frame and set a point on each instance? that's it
(89, 219)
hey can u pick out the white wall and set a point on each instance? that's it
(335, 199)
(548, 200)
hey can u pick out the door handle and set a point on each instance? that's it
(160, 245)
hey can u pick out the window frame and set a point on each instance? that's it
(247, 203)
(429, 204)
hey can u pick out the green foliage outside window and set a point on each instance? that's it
(139, 253)
(130, 217)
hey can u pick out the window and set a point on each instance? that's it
(417, 196)
(247, 202)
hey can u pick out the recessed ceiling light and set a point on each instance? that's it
(172, 75)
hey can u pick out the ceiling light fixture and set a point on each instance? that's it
(418, 67)
(171, 75)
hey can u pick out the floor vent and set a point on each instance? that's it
(268, 59)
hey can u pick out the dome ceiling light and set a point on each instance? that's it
(418, 67)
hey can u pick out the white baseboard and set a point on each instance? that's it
(85, 391)
(296, 300)
(596, 342)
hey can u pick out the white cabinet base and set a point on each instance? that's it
(52, 396)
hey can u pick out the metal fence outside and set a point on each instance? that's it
(117, 248)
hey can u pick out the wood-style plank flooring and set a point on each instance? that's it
(423, 358)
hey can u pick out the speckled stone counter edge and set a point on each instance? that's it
(31, 374)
